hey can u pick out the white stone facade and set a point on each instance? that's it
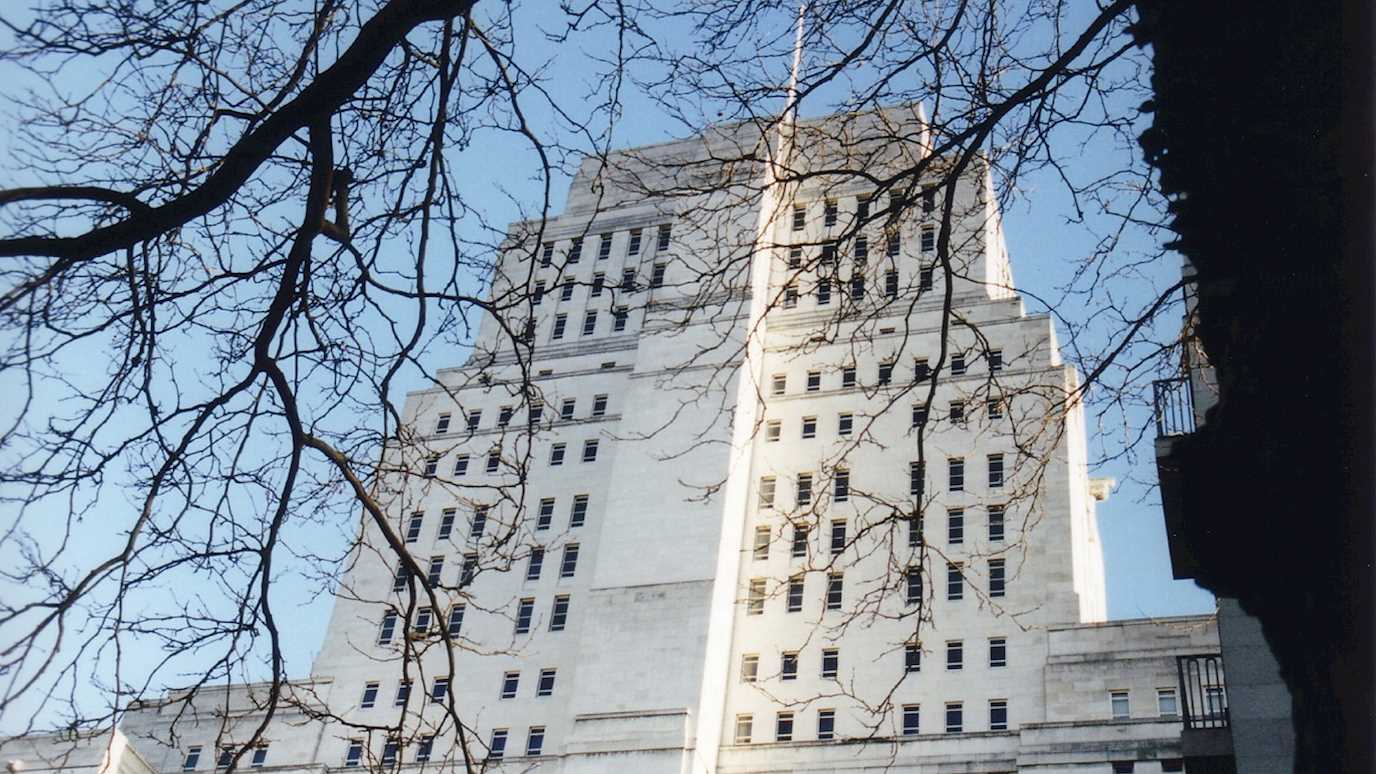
(644, 640)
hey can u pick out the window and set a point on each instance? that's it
(957, 412)
(439, 690)
(750, 667)
(589, 323)
(845, 423)
(494, 460)
(633, 248)
(862, 208)
(795, 258)
(829, 213)
(403, 575)
(838, 536)
(599, 283)
(567, 408)
(857, 286)
(826, 724)
(998, 652)
(955, 526)
(799, 217)
(432, 465)
(862, 249)
(389, 750)
(809, 427)
(535, 740)
(995, 523)
(1123, 767)
(1214, 703)
(847, 377)
(497, 747)
(835, 582)
(627, 280)
(665, 233)
(657, 275)
(536, 563)
(566, 290)
(912, 582)
(479, 522)
(260, 756)
(998, 714)
(456, 620)
(955, 586)
(791, 297)
(995, 471)
(814, 381)
(840, 490)
(504, 416)
(435, 570)
(995, 360)
(778, 385)
(823, 292)
(556, 454)
(545, 515)
(885, 373)
(388, 629)
(788, 666)
(928, 198)
(831, 660)
(915, 529)
(997, 580)
(912, 658)
(919, 417)
(442, 424)
(560, 321)
(534, 414)
(924, 278)
(511, 682)
(767, 492)
(461, 465)
(911, 719)
(773, 430)
(469, 569)
(917, 475)
(955, 655)
(193, 758)
(547, 254)
(619, 317)
(1166, 705)
(559, 614)
(799, 548)
(754, 604)
(890, 284)
(599, 405)
(424, 617)
(425, 749)
(525, 610)
(783, 727)
(804, 489)
(928, 239)
(994, 407)
(795, 594)
(413, 527)
(590, 450)
(761, 547)
(354, 755)
(744, 726)
(958, 364)
(955, 474)
(604, 247)
(578, 515)
(1118, 705)
(891, 246)
(955, 717)
(1172, 765)
(403, 694)
(576, 250)
(545, 687)
(570, 563)
(539, 292)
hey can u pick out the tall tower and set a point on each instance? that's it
(746, 476)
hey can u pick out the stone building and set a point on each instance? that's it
(676, 516)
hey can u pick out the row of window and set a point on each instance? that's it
(784, 722)
(845, 420)
(841, 483)
(568, 566)
(425, 747)
(620, 316)
(629, 284)
(996, 576)
(912, 660)
(473, 419)
(798, 546)
(634, 241)
(439, 689)
(544, 518)
(423, 624)
(831, 208)
(778, 383)
(256, 758)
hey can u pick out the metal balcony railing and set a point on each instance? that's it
(1174, 405)
(1204, 700)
